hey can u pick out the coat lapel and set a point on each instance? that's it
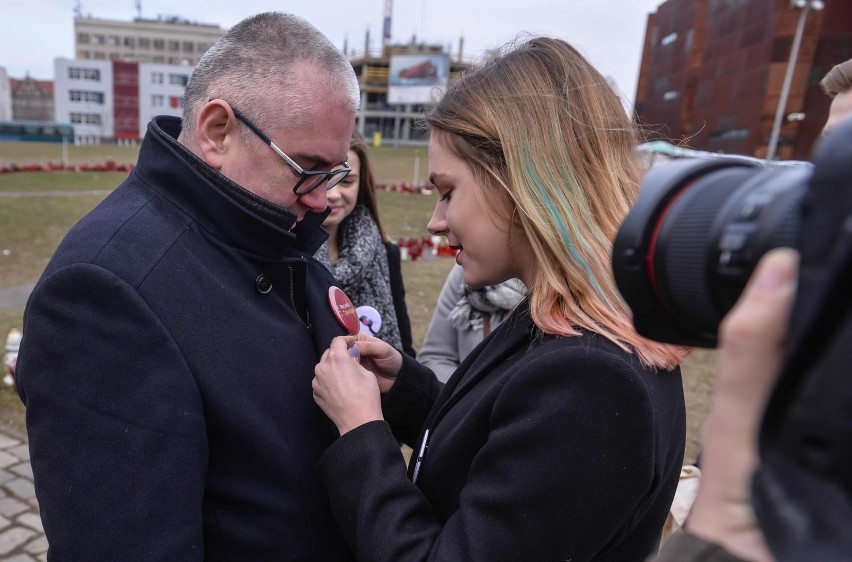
(512, 337)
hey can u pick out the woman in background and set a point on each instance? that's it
(359, 253)
(561, 436)
(463, 316)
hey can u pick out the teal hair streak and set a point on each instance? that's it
(565, 230)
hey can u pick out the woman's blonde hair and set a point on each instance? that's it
(542, 126)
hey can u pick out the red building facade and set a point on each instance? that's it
(713, 70)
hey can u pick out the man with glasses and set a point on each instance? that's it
(169, 347)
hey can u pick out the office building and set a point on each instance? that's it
(32, 100)
(115, 100)
(5, 96)
(712, 73)
(165, 40)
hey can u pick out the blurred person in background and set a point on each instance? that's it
(837, 84)
(463, 316)
(359, 253)
(721, 525)
(561, 436)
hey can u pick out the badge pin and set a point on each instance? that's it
(343, 310)
(355, 353)
(370, 320)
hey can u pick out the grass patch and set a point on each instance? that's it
(41, 182)
(32, 227)
(44, 153)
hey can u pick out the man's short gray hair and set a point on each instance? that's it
(256, 61)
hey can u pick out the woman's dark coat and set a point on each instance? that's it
(539, 448)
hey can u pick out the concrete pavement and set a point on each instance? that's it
(21, 534)
(15, 296)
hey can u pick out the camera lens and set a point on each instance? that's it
(686, 249)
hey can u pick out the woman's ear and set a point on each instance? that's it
(216, 133)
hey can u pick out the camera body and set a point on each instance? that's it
(682, 258)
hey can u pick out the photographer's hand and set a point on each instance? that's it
(752, 342)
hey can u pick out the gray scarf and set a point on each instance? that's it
(495, 300)
(361, 269)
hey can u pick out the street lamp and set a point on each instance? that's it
(806, 6)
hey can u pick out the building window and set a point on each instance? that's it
(174, 46)
(178, 79)
(84, 73)
(669, 39)
(175, 102)
(85, 55)
(156, 78)
(144, 43)
(99, 39)
(670, 95)
(201, 47)
(159, 44)
(90, 97)
(187, 46)
(83, 38)
(114, 40)
(86, 118)
(158, 100)
(100, 56)
(129, 42)
(729, 135)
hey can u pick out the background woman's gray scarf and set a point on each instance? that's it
(362, 269)
(495, 300)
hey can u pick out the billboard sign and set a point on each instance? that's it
(414, 78)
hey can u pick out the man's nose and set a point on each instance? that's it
(316, 200)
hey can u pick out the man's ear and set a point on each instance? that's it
(216, 133)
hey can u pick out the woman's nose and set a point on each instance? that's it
(437, 225)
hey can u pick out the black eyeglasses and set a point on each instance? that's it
(309, 180)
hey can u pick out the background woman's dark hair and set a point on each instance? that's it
(367, 188)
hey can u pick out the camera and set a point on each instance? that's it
(681, 259)
(687, 248)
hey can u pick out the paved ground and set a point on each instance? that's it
(15, 297)
(21, 534)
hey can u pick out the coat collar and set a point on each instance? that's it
(229, 212)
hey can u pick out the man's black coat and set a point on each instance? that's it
(166, 367)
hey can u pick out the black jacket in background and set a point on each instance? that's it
(398, 292)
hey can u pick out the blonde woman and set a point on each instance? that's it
(561, 436)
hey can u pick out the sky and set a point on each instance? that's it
(610, 33)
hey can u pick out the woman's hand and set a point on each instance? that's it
(379, 357)
(346, 392)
